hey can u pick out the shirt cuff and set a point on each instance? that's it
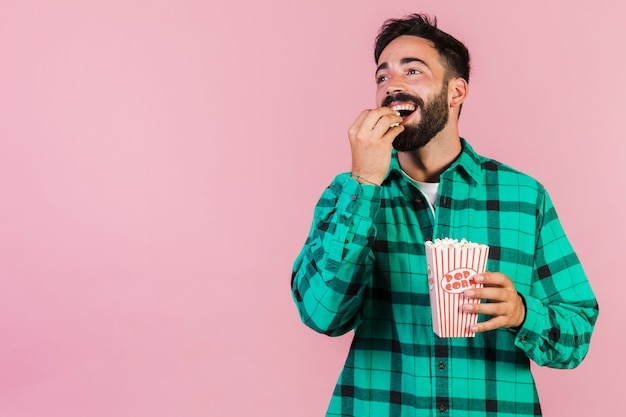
(527, 335)
(362, 200)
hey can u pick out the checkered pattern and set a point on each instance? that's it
(363, 267)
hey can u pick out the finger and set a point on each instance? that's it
(392, 133)
(374, 117)
(485, 326)
(488, 293)
(374, 124)
(356, 126)
(385, 123)
(491, 279)
(489, 309)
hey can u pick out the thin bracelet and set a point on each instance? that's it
(358, 177)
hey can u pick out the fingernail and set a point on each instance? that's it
(470, 293)
(479, 278)
(474, 328)
(468, 307)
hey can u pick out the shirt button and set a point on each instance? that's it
(523, 339)
(441, 366)
(418, 200)
(443, 408)
(353, 197)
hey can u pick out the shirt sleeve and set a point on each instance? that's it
(334, 268)
(561, 309)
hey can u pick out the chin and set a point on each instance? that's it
(411, 139)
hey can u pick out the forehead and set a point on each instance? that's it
(410, 47)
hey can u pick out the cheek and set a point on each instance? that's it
(380, 96)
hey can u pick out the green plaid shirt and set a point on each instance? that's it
(363, 267)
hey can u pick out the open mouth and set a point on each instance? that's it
(405, 110)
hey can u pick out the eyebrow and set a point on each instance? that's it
(403, 61)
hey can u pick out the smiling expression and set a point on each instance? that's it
(411, 80)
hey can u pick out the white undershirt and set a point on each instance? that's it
(429, 189)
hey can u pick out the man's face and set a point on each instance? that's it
(411, 80)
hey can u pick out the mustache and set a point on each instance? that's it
(404, 98)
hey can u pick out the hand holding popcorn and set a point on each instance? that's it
(505, 305)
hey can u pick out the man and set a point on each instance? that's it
(363, 266)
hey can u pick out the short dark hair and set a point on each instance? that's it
(454, 54)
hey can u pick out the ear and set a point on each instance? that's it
(457, 91)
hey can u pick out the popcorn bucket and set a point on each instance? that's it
(452, 265)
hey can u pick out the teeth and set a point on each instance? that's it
(408, 107)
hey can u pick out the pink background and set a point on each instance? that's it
(159, 164)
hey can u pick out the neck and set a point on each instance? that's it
(427, 163)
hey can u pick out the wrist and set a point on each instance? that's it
(522, 311)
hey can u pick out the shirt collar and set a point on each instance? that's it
(468, 162)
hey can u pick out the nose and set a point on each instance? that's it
(396, 85)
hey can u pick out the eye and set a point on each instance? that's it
(413, 71)
(381, 79)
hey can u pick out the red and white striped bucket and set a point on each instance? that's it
(451, 269)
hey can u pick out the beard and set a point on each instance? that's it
(434, 118)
